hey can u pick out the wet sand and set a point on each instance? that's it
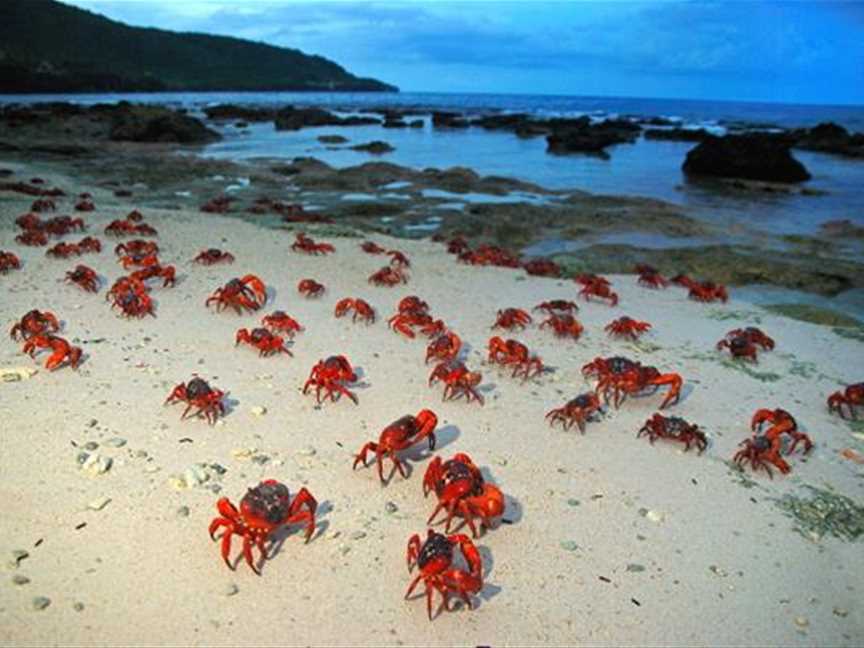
(610, 541)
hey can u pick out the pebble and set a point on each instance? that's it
(719, 571)
(258, 410)
(391, 507)
(91, 446)
(99, 503)
(358, 535)
(243, 453)
(635, 567)
(96, 464)
(183, 511)
(16, 374)
(41, 602)
(802, 621)
(841, 612)
(307, 451)
(569, 545)
(115, 442)
(332, 535)
(78, 606)
(230, 589)
(19, 554)
(260, 459)
(152, 469)
(20, 579)
(655, 516)
(195, 475)
(573, 502)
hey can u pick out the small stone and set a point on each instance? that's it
(141, 454)
(358, 535)
(307, 451)
(501, 461)
(92, 423)
(802, 621)
(99, 503)
(573, 502)
(41, 602)
(635, 567)
(841, 612)
(344, 549)
(655, 516)
(332, 535)
(177, 483)
(20, 579)
(215, 488)
(91, 446)
(96, 464)
(258, 410)
(569, 545)
(152, 468)
(243, 453)
(19, 554)
(115, 442)
(260, 459)
(78, 606)
(195, 475)
(183, 511)
(391, 507)
(230, 589)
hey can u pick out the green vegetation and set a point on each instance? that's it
(46, 46)
(824, 513)
(814, 315)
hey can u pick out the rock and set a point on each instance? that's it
(828, 137)
(41, 602)
(842, 228)
(676, 134)
(391, 507)
(307, 451)
(376, 148)
(20, 579)
(802, 621)
(840, 612)
(195, 475)
(78, 606)
(569, 545)
(183, 511)
(91, 446)
(244, 113)
(655, 516)
(754, 156)
(99, 503)
(16, 374)
(509, 122)
(442, 119)
(19, 554)
(157, 124)
(357, 535)
(290, 118)
(115, 442)
(635, 567)
(96, 464)
(332, 139)
(230, 589)
(258, 410)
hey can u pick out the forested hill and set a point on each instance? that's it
(46, 46)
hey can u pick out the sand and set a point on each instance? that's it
(611, 541)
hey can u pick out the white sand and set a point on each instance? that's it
(147, 575)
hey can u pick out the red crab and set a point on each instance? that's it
(33, 238)
(130, 296)
(329, 375)
(217, 205)
(434, 559)
(138, 260)
(280, 322)
(588, 278)
(35, 322)
(85, 205)
(627, 327)
(457, 245)
(198, 394)
(398, 260)
(61, 350)
(512, 318)
(166, 273)
(564, 326)
(558, 306)
(308, 246)
(362, 310)
(708, 291)
(42, 205)
(624, 376)
(89, 244)
(754, 335)
(761, 451)
(739, 347)
(403, 323)
(458, 381)
(445, 347)
(683, 280)
(246, 293)
(212, 256)
(650, 277)
(412, 303)
(310, 288)
(674, 429)
(8, 261)
(372, 248)
(851, 397)
(263, 340)
(84, 277)
(399, 435)
(63, 250)
(462, 491)
(388, 276)
(542, 268)
(137, 247)
(600, 290)
(578, 411)
(515, 354)
(781, 422)
(263, 509)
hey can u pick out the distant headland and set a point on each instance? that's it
(47, 46)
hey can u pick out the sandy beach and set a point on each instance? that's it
(608, 540)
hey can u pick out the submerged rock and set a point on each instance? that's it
(828, 137)
(755, 156)
(376, 147)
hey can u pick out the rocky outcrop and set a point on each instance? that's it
(756, 156)
(291, 118)
(244, 113)
(591, 138)
(156, 124)
(332, 139)
(830, 138)
(442, 119)
(677, 134)
(375, 148)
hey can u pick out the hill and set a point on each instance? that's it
(46, 46)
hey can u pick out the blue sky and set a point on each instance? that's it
(758, 50)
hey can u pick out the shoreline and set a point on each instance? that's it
(602, 520)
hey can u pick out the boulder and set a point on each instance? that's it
(376, 148)
(244, 113)
(676, 134)
(755, 156)
(146, 124)
(828, 137)
(442, 119)
(291, 118)
(581, 136)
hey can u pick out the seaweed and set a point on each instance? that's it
(850, 332)
(815, 315)
(740, 365)
(723, 315)
(743, 479)
(824, 513)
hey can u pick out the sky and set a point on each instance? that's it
(800, 51)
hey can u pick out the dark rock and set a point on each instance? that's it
(842, 229)
(502, 122)
(376, 148)
(677, 134)
(246, 113)
(581, 136)
(332, 139)
(415, 123)
(152, 124)
(395, 123)
(755, 156)
(830, 138)
(442, 119)
(291, 118)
